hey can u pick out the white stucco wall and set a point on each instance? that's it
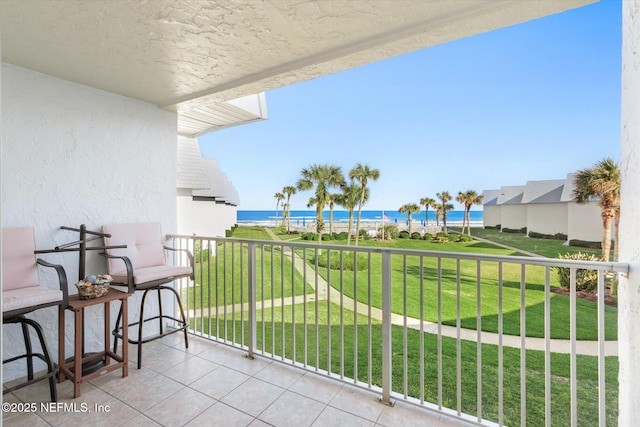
(547, 218)
(491, 216)
(74, 155)
(513, 216)
(204, 218)
(585, 222)
(629, 290)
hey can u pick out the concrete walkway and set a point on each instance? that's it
(589, 348)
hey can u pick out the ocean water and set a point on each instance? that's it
(391, 216)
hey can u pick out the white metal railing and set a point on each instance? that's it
(431, 328)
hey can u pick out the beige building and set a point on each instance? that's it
(545, 207)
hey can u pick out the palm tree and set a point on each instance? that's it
(332, 200)
(279, 197)
(363, 174)
(322, 178)
(602, 182)
(349, 199)
(409, 209)
(468, 198)
(427, 202)
(444, 198)
(289, 190)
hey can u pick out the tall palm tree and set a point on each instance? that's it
(427, 202)
(289, 190)
(349, 199)
(321, 178)
(409, 209)
(279, 197)
(362, 173)
(444, 198)
(468, 198)
(602, 182)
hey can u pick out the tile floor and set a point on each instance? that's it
(211, 384)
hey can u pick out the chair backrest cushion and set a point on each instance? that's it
(19, 268)
(144, 245)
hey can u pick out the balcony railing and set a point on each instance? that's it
(482, 338)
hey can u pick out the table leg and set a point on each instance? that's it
(107, 326)
(77, 352)
(125, 337)
(61, 350)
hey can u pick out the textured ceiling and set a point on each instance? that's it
(186, 55)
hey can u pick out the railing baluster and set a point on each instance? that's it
(386, 328)
(421, 284)
(341, 287)
(328, 312)
(304, 305)
(458, 342)
(602, 402)
(262, 298)
(500, 351)
(369, 324)
(439, 333)
(251, 260)
(405, 355)
(355, 316)
(479, 339)
(293, 304)
(572, 337)
(547, 347)
(523, 347)
(282, 304)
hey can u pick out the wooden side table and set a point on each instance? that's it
(73, 369)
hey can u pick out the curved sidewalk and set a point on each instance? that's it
(588, 348)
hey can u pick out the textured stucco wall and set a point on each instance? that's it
(547, 218)
(514, 216)
(585, 222)
(204, 218)
(629, 290)
(491, 215)
(74, 155)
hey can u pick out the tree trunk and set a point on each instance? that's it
(358, 220)
(607, 219)
(350, 227)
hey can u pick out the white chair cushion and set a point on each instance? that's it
(144, 275)
(27, 297)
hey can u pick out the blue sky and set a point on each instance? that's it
(533, 101)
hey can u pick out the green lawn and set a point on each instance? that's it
(543, 247)
(328, 350)
(489, 291)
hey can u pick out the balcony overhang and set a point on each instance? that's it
(193, 57)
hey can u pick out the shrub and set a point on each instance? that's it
(464, 238)
(416, 236)
(309, 236)
(390, 232)
(426, 236)
(441, 234)
(522, 230)
(586, 280)
(342, 235)
(347, 260)
(557, 236)
(586, 244)
(326, 237)
(403, 234)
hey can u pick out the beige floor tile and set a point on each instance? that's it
(222, 415)
(358, 402)
(180, 408)
(332, 417)
(293, 410)
(113, 383)
(316, 387)
(219, 382)
(140, 421)
(148, 393)
(23, 419)
(191, 370)
(109, 413)
(280, 375)
(253, 396)
(221, 354)
(408, 416)
(246, 365)
(162, 361)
